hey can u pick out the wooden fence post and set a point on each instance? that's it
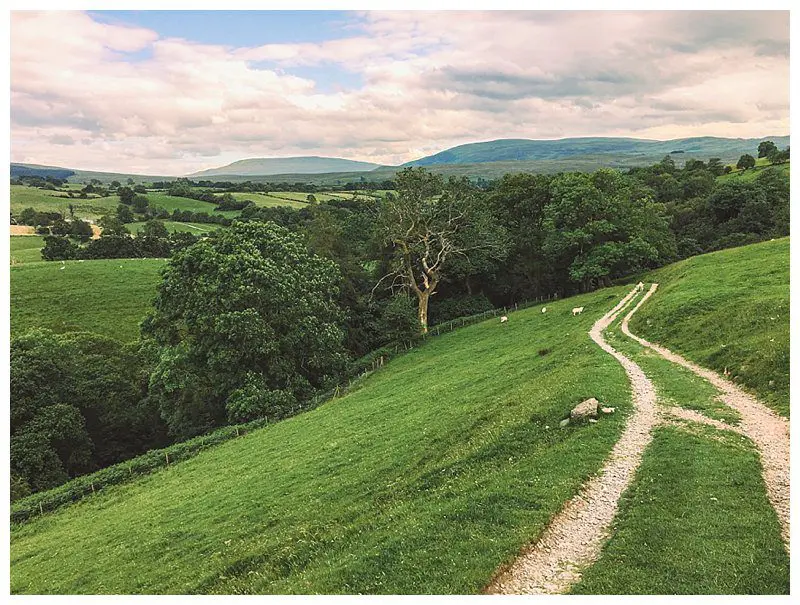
(166, 455)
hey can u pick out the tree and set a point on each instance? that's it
(58, 248)
(81, 230)
(246, 325)
(311, 198)
(716, 167)
(77, 403)
(126, 195)
(154, 228)
(139, 204)
(181, 188)
(604, 225)
(745, 162)
(427, 224)
(765, 148)
(112, 226)
(124, 214)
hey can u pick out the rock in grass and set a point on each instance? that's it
(564, 422)
(585, 409)
(607, 410)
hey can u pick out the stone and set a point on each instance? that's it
(607, 410)
(593, 420)
(585, 409)
(564, 422)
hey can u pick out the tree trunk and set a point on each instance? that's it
(423, 310)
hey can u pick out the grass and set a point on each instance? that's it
(696, 520)
(438, 469)
(267, 200)
(195, 228)
(42, 200)
(26, 249)
(108, 297)
(746, 176)
(728, 309)
(676, 386)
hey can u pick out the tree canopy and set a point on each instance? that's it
(246, 325)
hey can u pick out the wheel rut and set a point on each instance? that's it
(575, 536)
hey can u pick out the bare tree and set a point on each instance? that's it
(427, 223)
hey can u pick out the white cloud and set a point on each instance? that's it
(429, 82)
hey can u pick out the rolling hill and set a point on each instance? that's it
(295, 165)
(489, 159)
(506, 150)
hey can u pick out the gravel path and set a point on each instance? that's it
(575, 536)
(768, 430)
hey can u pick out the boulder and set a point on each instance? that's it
(607, 410)
(585, 409)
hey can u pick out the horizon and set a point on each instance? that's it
(379, 87)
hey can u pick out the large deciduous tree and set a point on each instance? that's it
(246, 325)
(427, 224)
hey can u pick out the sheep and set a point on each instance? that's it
(503, 319)
(577, 311)
(544, 309)
(639, 287)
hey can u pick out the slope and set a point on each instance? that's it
(437, 470)
(298, 165)
(504, 150)
(728, 310)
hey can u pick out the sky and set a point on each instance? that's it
(170, 93)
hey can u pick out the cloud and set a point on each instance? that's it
(111, 97)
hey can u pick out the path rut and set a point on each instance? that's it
(575, 536)
(766, 429)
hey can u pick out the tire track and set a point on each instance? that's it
(766, 429)
(576, 534)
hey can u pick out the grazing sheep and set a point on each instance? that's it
(503, 319)
(544, 309)
(577, 311)
(639, 287)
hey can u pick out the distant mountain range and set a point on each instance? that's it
(489, 159)
(505, 150)
(296, 165)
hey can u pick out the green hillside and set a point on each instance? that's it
(438, 469)
(448, 460)
(504, 150)
(299, 165)
(728, 309)
(107, 297)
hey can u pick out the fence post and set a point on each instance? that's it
(41, 510)
(92, 484)
(166, 455)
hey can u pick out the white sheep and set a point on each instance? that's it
(639, 287)
(544, 309)
(577, 311)
(503, 319)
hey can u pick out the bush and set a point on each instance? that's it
(58, 248)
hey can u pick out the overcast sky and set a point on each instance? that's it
(172, 93)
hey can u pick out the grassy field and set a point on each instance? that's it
(695, 521)
(172, 227)
(26, 249)
(439, 468)
(728, 309)
(109, 297)
(47, 201)
(751, 174)
(267, 200)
